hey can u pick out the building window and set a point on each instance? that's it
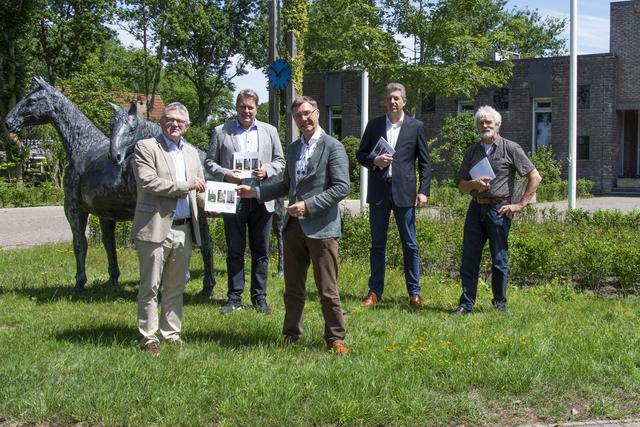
(583, 148)
(335, 121)
(584, 97)
(501, 98)
(465, 107)
(541, 129)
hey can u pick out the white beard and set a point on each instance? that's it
(487, 133)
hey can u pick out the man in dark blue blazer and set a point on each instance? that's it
(392, 187)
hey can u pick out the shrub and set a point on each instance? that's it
(13, 196)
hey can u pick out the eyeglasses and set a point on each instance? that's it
(180, 122)
(304, 115)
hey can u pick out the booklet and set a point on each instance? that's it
(482, 168)
(246, 162)
(221, 197)
(383, 147)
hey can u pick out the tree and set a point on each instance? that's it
(68, 33)
(16, 23)
(458, 133)
(145, 20)
(454, 39)
(212, 42)
(357, 39)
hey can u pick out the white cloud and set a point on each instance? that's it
(593, 31)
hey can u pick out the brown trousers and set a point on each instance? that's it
(299, 252)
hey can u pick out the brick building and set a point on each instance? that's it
(534, 105)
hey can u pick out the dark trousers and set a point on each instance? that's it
(251, 216)
(299, 252)
(379, 224)
(481, 223)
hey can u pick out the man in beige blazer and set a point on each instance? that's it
(168, 176)
(246, 134)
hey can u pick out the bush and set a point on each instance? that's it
(546, 163)
(13, 196)
(351, 145)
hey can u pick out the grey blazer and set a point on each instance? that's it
(158, 190)
(326, 183)
(224, 143)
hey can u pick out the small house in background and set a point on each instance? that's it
(124, 99)
(534, 106)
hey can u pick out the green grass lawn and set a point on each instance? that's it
(68, 358)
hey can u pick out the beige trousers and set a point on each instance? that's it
(165, 262)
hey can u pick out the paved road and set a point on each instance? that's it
(23, 227)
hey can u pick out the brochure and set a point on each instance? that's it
(482, 168)
(221, 197)
(246, 162)
(383, 147)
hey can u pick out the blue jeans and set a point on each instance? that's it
(379, 225)
(481, 223)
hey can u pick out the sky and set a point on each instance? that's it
(593, 33)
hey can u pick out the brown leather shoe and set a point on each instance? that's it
(370, 300)
(415, 301)
(152, 347)
(338, 347)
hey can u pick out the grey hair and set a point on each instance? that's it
(393, 86)
(299, 100)
(487, 111)
(247, 93)
(173, 107)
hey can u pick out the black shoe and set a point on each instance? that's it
(287, 340)
(502, 308)
(460, 311)
(230, 307)
(262, 306)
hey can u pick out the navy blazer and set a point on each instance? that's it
(411, 146)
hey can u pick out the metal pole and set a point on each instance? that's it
(291, 129)
(573, 103)
(274, 101)
(364, 119)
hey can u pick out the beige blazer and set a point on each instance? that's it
(224, 143)
(158, 190)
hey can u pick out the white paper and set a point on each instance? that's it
(382, 147)
(482, 168)
(246, 162)
(220, 197)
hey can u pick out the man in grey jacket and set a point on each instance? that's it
(315, 179)
(242, 135)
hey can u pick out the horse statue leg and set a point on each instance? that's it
(209, 280)
(108, 228)
(278, 226)
(77, 218)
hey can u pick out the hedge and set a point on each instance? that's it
(586, 249)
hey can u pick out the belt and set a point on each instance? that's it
(182, 221)
(490, 201)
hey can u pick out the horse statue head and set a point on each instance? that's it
(34, 109)
(127, 127)
(124, 127)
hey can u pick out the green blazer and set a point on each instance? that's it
(326, 183)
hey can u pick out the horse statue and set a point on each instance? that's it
(129, 127)
(92, 183)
